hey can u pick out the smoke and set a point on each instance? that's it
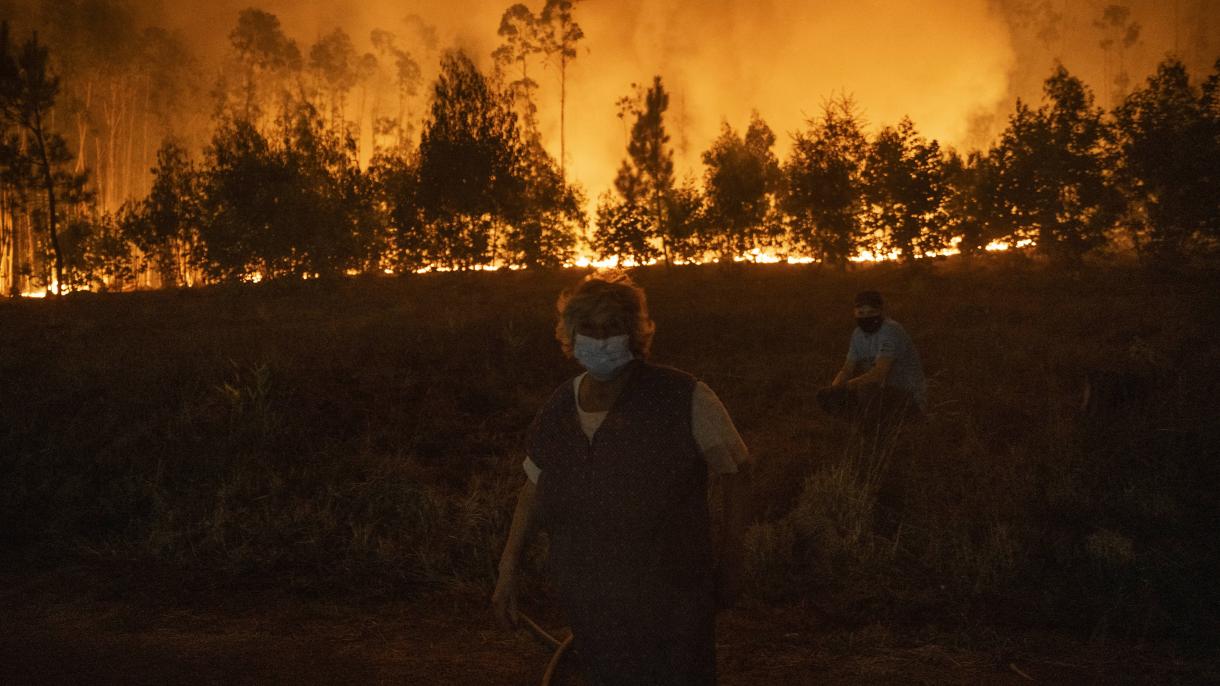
(937, 62)
(954, 66)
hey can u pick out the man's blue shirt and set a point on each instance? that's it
(891, 341)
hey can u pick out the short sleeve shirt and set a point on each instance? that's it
(890, 341)
(713, 429)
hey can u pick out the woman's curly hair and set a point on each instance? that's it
(605, 290)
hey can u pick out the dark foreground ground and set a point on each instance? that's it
(311, 482)
(53, 633)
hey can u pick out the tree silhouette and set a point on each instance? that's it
(1168, 145)
(166, 224)
(1052, 174)
(469, 159)
(645, 178)
(395, 180)
(334, 61)
(623, 230)
(521, 32)
(295, 205)
(741, 179)
(407, 79)
(972, 209)
(1118, 34)
(560, 35)
(823, 192)
(904, 182)
(542, 234)
(27, 94)
(266, 58)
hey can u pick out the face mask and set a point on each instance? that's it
(869, 324)
(603, 357)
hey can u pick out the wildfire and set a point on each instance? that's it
(755, 256)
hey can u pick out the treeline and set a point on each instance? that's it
(291, 184)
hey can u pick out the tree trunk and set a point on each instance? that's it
(563, 101)
(6, 263)
(48, 179)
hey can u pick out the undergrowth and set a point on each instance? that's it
(365, 435)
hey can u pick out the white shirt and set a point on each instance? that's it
(717, 438)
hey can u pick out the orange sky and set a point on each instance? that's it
(945, 63)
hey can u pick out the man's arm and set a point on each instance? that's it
(504, 599)
(845, 373)
(876, 375)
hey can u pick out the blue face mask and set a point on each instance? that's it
(603, 357)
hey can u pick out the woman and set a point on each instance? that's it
(617, 465)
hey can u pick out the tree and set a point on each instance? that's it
(823, 194)
(469, 156)
(972, 210)
(543, 233)
(334, 61)
(904, 183)
(265, 56)
(165, 226)
(645, 178)
(740, 182)
(395, 181)
(295, 205)
(686, 222)
(1168, 144)
(623, 231)
(101, 254)
(27, 94)
(1052, 171)
(559, 37)
(521, 32)
(1119, 34)
(406, 78)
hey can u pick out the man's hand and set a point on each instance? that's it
(504, 599)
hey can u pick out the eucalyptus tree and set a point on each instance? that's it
(406, 78)
(560, 35)
(335, 65)
(267, 59)
(521, 32)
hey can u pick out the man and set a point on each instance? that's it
(882, 378)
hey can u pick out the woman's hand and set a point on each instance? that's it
(504, 599)
(728, 582)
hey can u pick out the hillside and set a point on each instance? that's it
(355, 444)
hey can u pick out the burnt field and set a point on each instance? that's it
(357, 444)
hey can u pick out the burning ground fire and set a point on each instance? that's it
(755, 256)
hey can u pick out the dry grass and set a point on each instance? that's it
(364, 436)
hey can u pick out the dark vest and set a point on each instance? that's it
(627, 515)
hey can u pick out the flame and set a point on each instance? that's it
(588, 261)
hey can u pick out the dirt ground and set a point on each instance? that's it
(52, 633)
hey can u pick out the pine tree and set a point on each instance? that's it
(27, 94)
(645, 178)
